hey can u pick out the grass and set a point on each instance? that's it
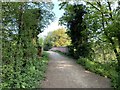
(43, 67)
(105, 70)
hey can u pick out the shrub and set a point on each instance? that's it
(28, 77)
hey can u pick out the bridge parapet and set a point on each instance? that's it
(62, 49)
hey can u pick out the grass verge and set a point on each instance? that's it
(106, 70)
(43, 67)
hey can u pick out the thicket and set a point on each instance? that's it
(95, 34)
(21, 23)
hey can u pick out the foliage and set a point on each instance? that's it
(73, 19)
(95, 33)
(21, 23)
(106, 69)
(41, 41)
(34, 73)
(105, 30)
(57, 38)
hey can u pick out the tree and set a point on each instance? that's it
(57, 38)
(94, 31)
(40, 46)
(109, 30)
(73, 19)
(21, 23)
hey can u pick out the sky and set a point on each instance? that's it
(58, 13)
(54, 25)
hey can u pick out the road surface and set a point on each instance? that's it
(64, 72)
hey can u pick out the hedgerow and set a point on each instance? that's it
(27, 77)
(21, 23)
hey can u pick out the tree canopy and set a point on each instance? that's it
(57, 38)
(92, 35)
(21, 23)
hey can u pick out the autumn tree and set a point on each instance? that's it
(57, 38)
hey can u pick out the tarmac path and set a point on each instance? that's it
(64, 72)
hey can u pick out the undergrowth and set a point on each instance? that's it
(106, 70)
(30, 76)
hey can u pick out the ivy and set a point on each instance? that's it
(21, 23)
